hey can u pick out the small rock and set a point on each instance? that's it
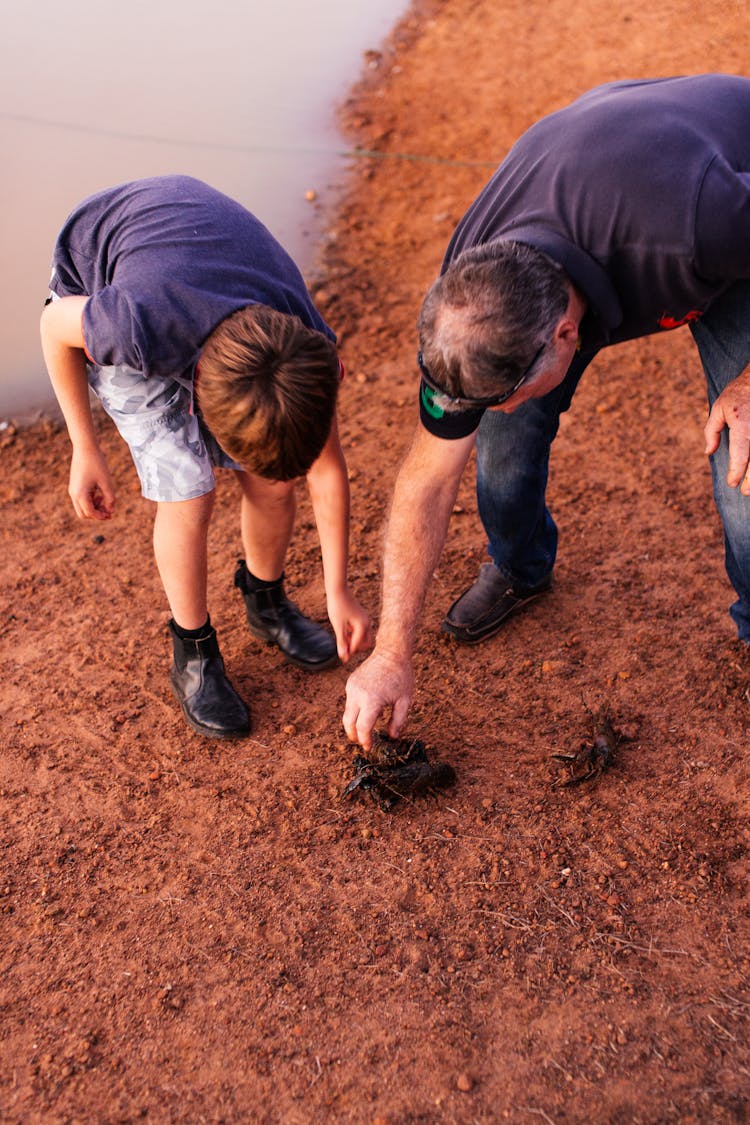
(464, 1083)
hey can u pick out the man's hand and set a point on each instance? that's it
(423, 498)
(732, 409)
(90, 486)
(380, 682)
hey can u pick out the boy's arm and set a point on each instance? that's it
(329, 492)
(90, 486)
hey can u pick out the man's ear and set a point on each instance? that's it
(569, 324)
(566, 330)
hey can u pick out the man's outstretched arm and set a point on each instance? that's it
(423, 499)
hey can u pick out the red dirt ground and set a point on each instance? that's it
(195, 932)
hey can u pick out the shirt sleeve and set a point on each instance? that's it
(111, 330)
(447, 424)
(120, 329)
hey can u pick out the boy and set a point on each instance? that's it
(195, 330)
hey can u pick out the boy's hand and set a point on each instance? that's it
(90, 487)
(351, 624)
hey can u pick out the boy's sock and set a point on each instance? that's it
(254, 583)
(193, 634)
(272, 617)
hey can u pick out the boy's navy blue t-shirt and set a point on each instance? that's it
(641, 191)
(164, 260)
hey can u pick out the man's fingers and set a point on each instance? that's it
(739, 455)
(739, 446)
(379, 685)
(398, 717)
(355, 725)
(713, 428)
(360, 717)
(359, 729)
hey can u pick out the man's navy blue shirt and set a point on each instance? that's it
(641, 191)
(164, 260)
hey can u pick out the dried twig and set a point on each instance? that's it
(536, 1110)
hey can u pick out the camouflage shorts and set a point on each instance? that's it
(175, 454)
(173, 451)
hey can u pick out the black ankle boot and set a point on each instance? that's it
(209, 702)
(272, 617)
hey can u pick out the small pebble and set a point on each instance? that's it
(464, 1083)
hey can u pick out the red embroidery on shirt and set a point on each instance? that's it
(667, 321)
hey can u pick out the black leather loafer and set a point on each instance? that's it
(487, 604)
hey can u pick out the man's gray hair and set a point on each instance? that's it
(487, 316)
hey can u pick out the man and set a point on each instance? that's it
(625, 214)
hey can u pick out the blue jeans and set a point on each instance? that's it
(723, 339)
(513, 462)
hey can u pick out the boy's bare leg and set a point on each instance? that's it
(266, 522)
(209, 702)
(180, 547)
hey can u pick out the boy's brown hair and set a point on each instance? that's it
(267, 390)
